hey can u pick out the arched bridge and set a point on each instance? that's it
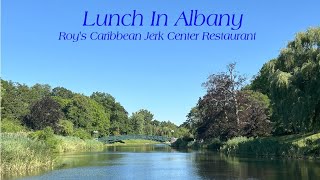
(113, 139)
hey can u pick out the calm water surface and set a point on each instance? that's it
(162, 162)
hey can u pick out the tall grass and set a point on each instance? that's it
(23, 154)
(70, 144)
(291, 146)
(20, 154)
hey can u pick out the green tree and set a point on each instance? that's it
(118, 115)
(137, 121)
(86, 113)
(62, 92)
(14, 101)
(292, 82)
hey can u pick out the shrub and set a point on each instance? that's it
(11, 126)
(65, 127)
(47, 136)
(214, 144)
(82, 134)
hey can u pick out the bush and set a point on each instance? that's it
(184, 142)
(11, 126)
(82, 134)
(214, 144)
(180, 144)
(47, 136)
(65, 127)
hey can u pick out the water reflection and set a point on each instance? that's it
(162, 162)
(84, 159)
(214, 165)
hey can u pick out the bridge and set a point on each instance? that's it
(113, 139)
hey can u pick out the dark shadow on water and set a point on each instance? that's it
(216, 165)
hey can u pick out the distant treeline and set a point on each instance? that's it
(283, 98)
(68, 113)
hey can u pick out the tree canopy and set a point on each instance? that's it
(292, 82)
(70, 113)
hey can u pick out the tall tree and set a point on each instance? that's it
(45, 112)
(86, 113)
(137, 121)
(118, 114)
(224, 110)
(292, 82)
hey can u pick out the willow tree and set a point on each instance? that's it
(292, 82)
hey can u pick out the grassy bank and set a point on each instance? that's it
(73, 144)
(133, 142)
(291, 146)
(21, 153)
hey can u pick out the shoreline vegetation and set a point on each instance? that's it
(23, 153)
(298, 146)
(277, 114)
(133, 142)
(28, 152)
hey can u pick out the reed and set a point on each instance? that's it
(73, 144)
(21, 155)
(25, 153)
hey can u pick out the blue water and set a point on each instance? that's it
(162, 162)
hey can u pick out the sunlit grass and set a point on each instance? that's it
(20, 154)
(71, 144)
(296, 146)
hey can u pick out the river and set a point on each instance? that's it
(162, 162)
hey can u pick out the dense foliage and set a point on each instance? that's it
(45, 112)
(226, 111)
(292, 82)
(71, 114)
(284, 98)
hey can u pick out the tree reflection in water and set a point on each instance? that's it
(215, 165)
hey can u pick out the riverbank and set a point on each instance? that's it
(133, 142)
(22, 154)
(299, 146)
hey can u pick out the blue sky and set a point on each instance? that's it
(164, 77)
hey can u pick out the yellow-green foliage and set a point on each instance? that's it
(291, 81)
(11, 126)
(66, 127)
(81, 133)
(46, 136)
(296, 146)
(20, 154)
(68, 144)
(305, 141)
